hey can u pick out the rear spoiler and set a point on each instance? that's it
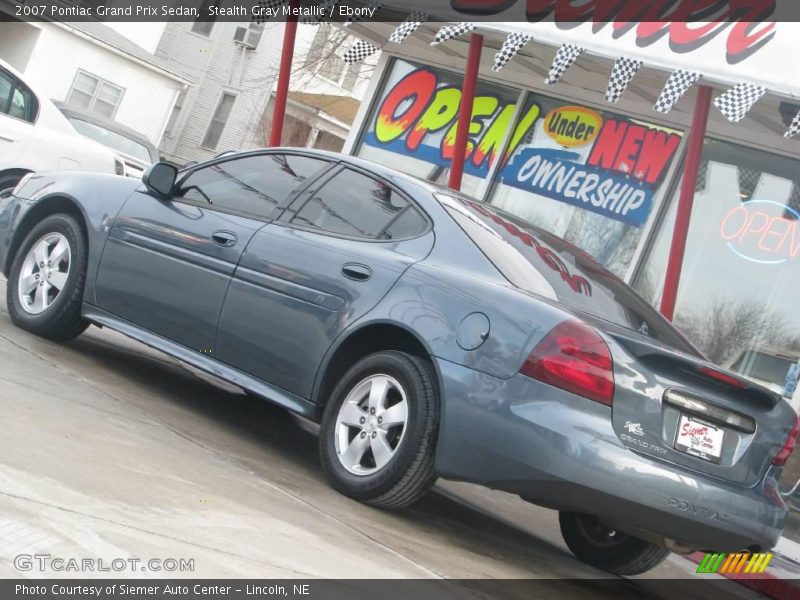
(665, 360)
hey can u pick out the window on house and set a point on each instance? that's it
(324, 58)
(205, 23)
(317, 49)
(218, 121)
(95, 95)
(332, 67)
(176, 112)
(351, 76)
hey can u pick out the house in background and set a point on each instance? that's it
(234, 67)
(96, 69)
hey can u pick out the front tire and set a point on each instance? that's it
(607, 549)
(378, 433)
(45, 286)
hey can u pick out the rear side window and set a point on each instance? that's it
(355, 205)
(252, 185)
(543, 264)
(16, 100)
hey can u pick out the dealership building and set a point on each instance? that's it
(606, 135)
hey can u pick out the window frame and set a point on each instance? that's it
(212, 22)
(316, 58)
(303, 198)
(100, 82)
(220, 98)
(278, 209)
(17, 83)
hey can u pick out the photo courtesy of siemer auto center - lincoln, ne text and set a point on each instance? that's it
(357, 299)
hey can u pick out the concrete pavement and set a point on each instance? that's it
(109, 449)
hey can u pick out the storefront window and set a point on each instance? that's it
(740, 281)
(590, 177)
(413, 125)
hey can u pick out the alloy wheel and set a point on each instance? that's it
(44, 273)
(371, 424)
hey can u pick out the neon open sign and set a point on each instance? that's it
(762, 231)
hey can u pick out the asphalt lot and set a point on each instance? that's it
(110, 449)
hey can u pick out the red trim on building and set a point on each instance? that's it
(284, 77)
(465, 111)
(694, 153)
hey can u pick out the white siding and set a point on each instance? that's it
(17, 41)
(148, 97)
(218, 65)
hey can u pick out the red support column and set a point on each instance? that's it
(284, 76)
(685, 201)
(465, 111)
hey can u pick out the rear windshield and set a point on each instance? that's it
(112, 139)
(545, 265)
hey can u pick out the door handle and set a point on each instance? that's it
(6, 138)
(356, 271)
(225, 238)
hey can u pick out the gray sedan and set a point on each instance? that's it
(429, 334)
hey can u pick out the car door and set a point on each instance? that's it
(334, 253)
(167, 264)
(18, 111)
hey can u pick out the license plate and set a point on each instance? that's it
(700, 439)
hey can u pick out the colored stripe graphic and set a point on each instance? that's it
(737, 562)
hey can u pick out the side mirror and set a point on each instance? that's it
(160, 179)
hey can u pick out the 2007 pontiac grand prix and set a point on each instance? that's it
(429, 334)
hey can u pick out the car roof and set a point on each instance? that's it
(377, 168)
(110, 124)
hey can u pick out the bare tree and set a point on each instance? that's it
(725, 327)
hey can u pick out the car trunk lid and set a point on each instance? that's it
(679, 408)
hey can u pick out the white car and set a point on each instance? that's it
(35, 136)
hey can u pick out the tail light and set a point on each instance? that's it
(791, 441)
(573, 357)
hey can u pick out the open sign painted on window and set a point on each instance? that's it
(762, 231)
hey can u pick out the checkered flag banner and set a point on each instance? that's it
(566, 55)
(511, 47)
(409, 26)
(265, 7)
(373, 5)
(677, 85)
(326, 7)
(621, 75)
(359, 51)
(794, 128)
(735, 103)
(449, 32)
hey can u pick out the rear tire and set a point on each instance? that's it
(378, 433)
(608, 549)
(51, 262)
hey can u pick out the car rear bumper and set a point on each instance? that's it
(559, 450)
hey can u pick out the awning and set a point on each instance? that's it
(745, 60)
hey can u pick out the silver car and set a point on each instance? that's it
(429, 334)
